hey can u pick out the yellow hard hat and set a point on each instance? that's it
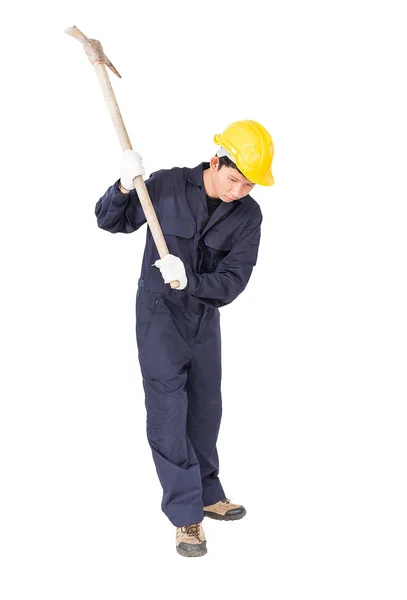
(251, 147)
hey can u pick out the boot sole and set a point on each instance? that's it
(218, 517)
(192, 549)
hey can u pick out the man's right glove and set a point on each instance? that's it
(130, 167)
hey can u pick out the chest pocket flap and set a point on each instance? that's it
(219, 241)
(179, 227)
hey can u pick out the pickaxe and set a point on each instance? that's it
(97, 57)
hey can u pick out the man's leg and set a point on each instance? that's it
(164, 358)
(205, 404)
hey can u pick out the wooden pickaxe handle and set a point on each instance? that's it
(97, 57)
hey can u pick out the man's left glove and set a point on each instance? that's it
(172, 269)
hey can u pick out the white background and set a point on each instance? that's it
(313, 438)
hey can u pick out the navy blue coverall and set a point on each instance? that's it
(178, 332)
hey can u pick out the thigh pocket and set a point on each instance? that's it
(146, 306)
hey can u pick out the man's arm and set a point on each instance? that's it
(233, 272)
(120, 212)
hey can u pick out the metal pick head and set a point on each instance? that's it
(93, 49)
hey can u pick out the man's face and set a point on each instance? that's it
(228, 182)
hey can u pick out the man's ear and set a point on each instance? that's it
(214, 163)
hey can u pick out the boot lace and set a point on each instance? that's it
(193, 530)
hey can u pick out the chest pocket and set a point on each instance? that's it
(178, 227)
(178, 234)
(216, 246)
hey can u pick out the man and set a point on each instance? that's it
(212, 228)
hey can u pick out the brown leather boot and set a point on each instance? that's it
(191, 540)
(224, 510)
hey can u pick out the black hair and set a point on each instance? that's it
(225, 161)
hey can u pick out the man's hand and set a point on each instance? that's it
(172, 269)
(130, 167)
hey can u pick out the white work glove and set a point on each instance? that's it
(130, 167)
(172, 269)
